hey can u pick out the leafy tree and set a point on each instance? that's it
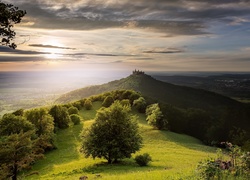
(76, 119)
(73, 110)
(114, 134)
(88, 104)
(9, 15)
(140, 104)
(11, 124)
(125, 102)
(108, 101)
(19, 112)
(61, 116)
(16, 153)
(155, 117)
(77, 104)
(44, 125)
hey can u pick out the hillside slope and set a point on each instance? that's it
(181, 96)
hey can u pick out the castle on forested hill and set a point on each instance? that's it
(138, 72)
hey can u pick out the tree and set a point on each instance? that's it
(108, 101)
(44, 127)
(88, 104)
(9, 15)
(16, 153)
(61, 116)
(76, 119)
(140, 104)
(155, 117)
(11, 124)
(73, 110)
(114, 134)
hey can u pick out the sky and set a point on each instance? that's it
(123, 35)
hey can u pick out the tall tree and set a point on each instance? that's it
(16, 153)
(61, 116)
(114, 134)
(9, 15)
(44, 127)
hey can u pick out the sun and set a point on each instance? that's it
(52, 53)
(53, 49)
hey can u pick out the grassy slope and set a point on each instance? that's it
(174, 156)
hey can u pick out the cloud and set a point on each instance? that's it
(164, 51)
(21, 59)
(20, 52)
(50, 46)
(179, 17)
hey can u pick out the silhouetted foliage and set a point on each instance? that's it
(9, 15)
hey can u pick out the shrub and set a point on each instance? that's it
(143, 160)
(73, 110)
(76, 119)
(88, 104)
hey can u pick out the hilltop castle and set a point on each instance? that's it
(138, 72)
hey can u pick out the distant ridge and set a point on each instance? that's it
(181, 96)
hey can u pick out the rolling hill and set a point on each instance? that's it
(225, 119)
(180, 96)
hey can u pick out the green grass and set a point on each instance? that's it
(175, 156)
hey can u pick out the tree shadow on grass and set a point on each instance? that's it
(122, 167)
(187, 141)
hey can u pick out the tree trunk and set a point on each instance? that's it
(14, 177)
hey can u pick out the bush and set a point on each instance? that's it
(88, 104)
(143, 160)
(76, 119)
(73, 110)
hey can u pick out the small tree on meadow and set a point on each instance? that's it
(140, 104)
(114, 135)
(88, 104)
(155, 117)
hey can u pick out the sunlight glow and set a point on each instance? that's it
(54, 51)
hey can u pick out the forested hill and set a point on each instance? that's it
(180, 96)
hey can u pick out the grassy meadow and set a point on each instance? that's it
(174, 156)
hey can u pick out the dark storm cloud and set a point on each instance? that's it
(178, 17)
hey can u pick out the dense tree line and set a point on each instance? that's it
(26, 135)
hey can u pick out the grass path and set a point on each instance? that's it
(175, 156)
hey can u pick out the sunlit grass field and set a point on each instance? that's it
(175, 156)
